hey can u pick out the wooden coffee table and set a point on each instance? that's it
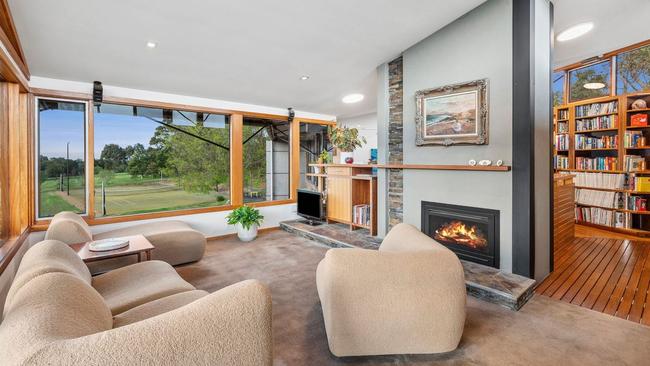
(138, 245)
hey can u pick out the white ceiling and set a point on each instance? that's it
(617, 23)
(245, 50)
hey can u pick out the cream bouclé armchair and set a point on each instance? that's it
(408, 297)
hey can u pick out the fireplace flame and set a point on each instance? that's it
(457, 232)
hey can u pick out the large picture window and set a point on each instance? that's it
(559, 78)
(590, 81)
(266, 154)
(61, 152)
(633, 71)
(314, 139)
(149, 159)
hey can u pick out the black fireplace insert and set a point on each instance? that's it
(470, 232)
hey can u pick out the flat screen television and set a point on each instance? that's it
(310, 205)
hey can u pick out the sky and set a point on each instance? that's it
(112, 126)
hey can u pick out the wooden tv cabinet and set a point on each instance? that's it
(348, 185)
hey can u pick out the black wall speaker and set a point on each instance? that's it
(98, 92)
(291, 114)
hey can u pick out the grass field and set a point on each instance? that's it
(126, 195)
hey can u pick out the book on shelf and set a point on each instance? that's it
(598, 216)
(634, 139)
(597, 123)
(600, 163)
(562, 114)
(361, 215)
(636, 203)
(562, 127)
(600, 198)
(633, 163)
(604, 142)
(639, 184)
(561, 162)
(562, 142)
(593, 109)
(639, 120)
(599, 180)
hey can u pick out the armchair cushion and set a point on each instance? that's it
(385, 302)
(69, 228)
(128, 287)
(49, 256)
(157, 307)
(407, 238)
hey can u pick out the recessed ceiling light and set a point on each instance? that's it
(304, 77)
(352, 98)
(575, 31)
(152, 44)
(594, 86)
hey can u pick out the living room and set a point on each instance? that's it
(363, 183)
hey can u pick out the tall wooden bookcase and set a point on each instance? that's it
(566, 121)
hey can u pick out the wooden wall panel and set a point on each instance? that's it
(236, 159)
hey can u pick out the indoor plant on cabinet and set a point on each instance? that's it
(246, 219)
(345, 139)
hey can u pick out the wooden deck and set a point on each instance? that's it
(608, 275)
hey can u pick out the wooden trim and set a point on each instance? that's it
(491, 168)
(9, 28)
(50, 93)
(627, 48)
(270, 203)
(259, 231)
(90, 161)
(236, 159)
(318, 122)
(9, 249)
(294, 157)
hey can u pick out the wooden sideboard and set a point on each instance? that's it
(347, 186)
(563, 210)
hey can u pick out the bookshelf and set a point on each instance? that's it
(605, 143)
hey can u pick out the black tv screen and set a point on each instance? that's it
(309, 204)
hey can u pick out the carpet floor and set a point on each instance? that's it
(543, 332)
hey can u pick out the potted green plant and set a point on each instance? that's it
(346, 139)
(246, 219)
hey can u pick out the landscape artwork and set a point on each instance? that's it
(453, 114)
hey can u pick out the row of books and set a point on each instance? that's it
(604, 142)
(600, 198)
(361, 215)
(639, 184)
(562, 142)
(562, 114)
(562, 127)
(600, 163)
(634, 139)
(601, 216)
(596, 108)
(636, 203)
(599, 180)
(633, 163)
(561, 162)
(597, 123)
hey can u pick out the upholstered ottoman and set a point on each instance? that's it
(175, 241)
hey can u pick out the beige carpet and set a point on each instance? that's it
(544, 332)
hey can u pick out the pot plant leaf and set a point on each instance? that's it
(246, 216)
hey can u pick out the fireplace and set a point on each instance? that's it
(470, 232)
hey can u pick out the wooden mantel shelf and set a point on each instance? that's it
(490, 168)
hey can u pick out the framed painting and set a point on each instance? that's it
(453, 114)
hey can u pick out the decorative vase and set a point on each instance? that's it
(246, 235)
(346, 157)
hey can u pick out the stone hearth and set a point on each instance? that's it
(485, 283)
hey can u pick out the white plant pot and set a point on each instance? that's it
(344, 155)
(246, 235)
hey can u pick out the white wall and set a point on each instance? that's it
(115, 91)
(367, 126)
(476, 46)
